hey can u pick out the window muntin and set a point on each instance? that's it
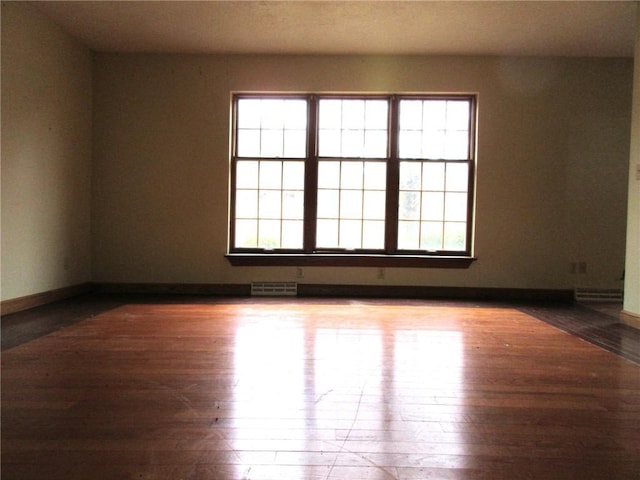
(340, 152)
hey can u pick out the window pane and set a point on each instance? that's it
(246, 233)
(293, 204)
(373, 234)
(455, 235)
(409, 206)
(435, 115)
(248, 143)
(408, 235)
(351, 204)
(293, 175)
(457, 115)
(352, 175)
(246, 204)
(431, 236)
(295, 114)
(410, 175)
(327, 233)
(273, 113)
(410, 144)
(249, 113)
(375, 175)
(376, 116)
(353, 128)
(268, 234)
(374, 205)
(272, 143)
(328, 203)
(271, 175)
(350, 234)
(295, 143)
(328, 174)
(457, 177)
(352, 143)
(270, 206)
(433, 176)
(247, 175)
(411, 115)
(292, 234)
(456, 207)
(456, 146)
(433, 142)
(433, 206)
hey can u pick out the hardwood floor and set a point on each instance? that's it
(316, 389)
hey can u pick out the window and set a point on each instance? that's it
(346, 176)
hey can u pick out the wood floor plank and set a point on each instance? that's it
(344, 389)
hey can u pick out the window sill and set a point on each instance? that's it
(347, 260)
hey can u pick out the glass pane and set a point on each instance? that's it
(372, 234)
(247, 175)
(456, 207)
(327, 233)
(329, 143)
(410, 144)
(273, 113)
(269, 234)
(410, 175)
(271, 175)
(248, 143)
(409, 208)
(457, 177)
(374, 205)
(432, 206)
(433, 143)
(352, 114)
(456, 146)
(408, 235)
(330, 114)
(376, 115)
(350, 234)
(458, 115)
(375, 144)
(352, 175)
(295, 143)
(291, 234)
(293, 175)
(295, 114)
(328, 203)
(435, 115)
(293, 204)
(246, 203)
(272, 143)
(328, 174)
(352, 143)
(249, 113)
(270, 206)
(454, 235)
(350, 204)
(375, 175)
(431, 236)
(433, 176)
(410, 115)
(246, 233)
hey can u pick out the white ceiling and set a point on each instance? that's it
(540, 28)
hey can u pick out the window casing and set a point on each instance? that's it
(371, 177)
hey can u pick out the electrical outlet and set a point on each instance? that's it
(380, 273)
(582, 267)
(299, 272)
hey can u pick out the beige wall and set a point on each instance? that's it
(553, 150)
(46, 155)
(632, 278)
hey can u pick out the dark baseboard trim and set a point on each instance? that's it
(214, 289)
(427, 292)
(363, 291)
(20, 304)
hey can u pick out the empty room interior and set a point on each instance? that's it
(365, 240)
